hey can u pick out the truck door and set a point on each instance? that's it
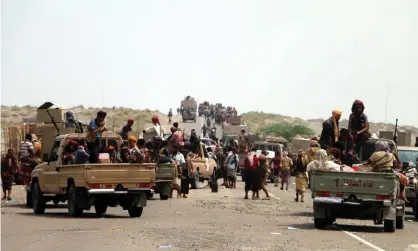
(49, 181)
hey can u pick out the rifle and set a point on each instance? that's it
(395, 134)
(58, 133)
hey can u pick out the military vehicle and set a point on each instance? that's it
(84, 185)
(188, 109)
(358, 195)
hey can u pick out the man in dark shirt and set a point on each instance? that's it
(358, 124)
(126, 129)
(95, 129)
(330, 130)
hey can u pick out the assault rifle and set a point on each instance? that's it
(395, 134)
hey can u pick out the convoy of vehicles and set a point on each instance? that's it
(85, 185)
(358, 195)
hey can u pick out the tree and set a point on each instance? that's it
(287, 130)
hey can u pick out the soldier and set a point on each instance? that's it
(204, 130)
(170, 115)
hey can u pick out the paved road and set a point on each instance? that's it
(204, 221)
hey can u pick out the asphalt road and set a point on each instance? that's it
(204, 221)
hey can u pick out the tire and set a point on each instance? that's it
(163, 196)
(400, 222)
(320, 223)
(416, 208)
(389, 226)
(38, 200)
(29, 203)
(72, 202)
(195, 181)
(100, 208)
(135, 211)
(150, 195)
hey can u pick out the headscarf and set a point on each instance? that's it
(130, 121)
(321, 158)
(383, 146)
(357, 102)
(314, 143)
(155, 120)
(285, 153)
(336, 113)
(132, 138)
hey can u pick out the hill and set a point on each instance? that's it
(117, 116)
(258, 120)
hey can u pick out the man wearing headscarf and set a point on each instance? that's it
(285, 168)
(330, 130)
(71, 121)
(382, 160)
(358, 124)
(156, 129)
(126, 129)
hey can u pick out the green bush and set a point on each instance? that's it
(288, 131)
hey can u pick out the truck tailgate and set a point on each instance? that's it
(353, 183)
(166, 172)
(128, 175)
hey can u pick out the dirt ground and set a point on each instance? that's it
(204, 221)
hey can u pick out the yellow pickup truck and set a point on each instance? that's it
(201, 167)
(84, 185)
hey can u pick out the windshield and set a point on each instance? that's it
(408, 155)
(268, 147)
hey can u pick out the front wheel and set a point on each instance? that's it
(29, 203)
(400, 222)
(416, 208)
(320, 223)
(164, 196)
(100, 208)
(195, 180)
(135, 211)
(73, 209)
(38, 200)
(389, 226)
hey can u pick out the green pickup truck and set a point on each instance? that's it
(165, 176)
(358, 195)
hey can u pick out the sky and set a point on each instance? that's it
(300, 58)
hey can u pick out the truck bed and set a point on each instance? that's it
(110, 175)
(363, 185)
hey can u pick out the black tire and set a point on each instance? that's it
(135, 211)
(389, 226)
(195, 181)
(29, 203)
(400, 222)
(320, 223)
(416, 208)
(38, 200)
(150, 195)
(164, 196)
(100, 208)
(72, 202)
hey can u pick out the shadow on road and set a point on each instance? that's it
(25, 207)
(302, 214)
(361, 229)
(85, 215)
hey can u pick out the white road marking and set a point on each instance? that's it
(274, 196)
(363, 240)
(348, 233)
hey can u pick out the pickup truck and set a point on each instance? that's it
(358, 195)
(165, 176)
(202, 167)
(410, 154)
(84, 185)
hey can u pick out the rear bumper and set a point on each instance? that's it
(339, 201)
(112, 191)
